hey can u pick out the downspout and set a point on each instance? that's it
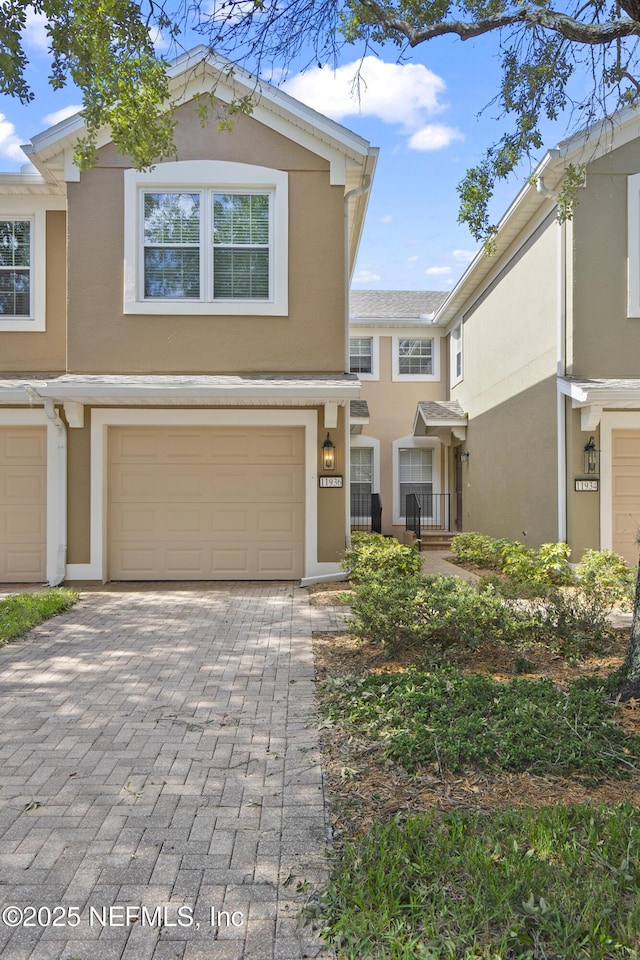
(51, 413)
(356, 192)
(561, 321)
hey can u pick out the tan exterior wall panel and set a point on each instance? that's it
(606, 341)
(43, 352)
(331, 502)
(310, 339)
(510, 479)
(79, 491)
(509, 393)
(583, 507)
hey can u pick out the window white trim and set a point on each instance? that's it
(360, 440)
(455, 351)
(30, 208)
(405, 443)
(375, 354)
(415, 377)
(102, 419)
(633, 245)
(220, 175)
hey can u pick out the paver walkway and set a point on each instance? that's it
(158, 750)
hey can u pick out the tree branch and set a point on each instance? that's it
(568, 27)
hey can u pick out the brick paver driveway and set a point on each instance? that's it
(160, 782)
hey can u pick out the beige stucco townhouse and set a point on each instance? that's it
(544, 354)
(399, 352)
(174, 347)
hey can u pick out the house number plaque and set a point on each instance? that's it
(330, 481)
(588, 485)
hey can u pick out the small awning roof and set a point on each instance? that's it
(593, 395)
(440, 418)
(198, 390)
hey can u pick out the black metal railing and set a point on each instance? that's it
(413, 514)
(429, 511)
(366, 512)
(436, 511)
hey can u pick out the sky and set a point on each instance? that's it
(426, 114)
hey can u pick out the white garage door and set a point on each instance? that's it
(23, 504)
(626, 493)
(206, 503)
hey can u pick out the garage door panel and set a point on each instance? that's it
(625, 506)
(23, 484)
(21, 523)
(187, 515)
(23, 446)
(23, 504)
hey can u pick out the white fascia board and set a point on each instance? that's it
(88, 392)
(582, 394)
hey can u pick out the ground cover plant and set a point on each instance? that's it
(23, 611)
(559, 883)
(484, 784)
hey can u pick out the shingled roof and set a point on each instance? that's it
(395, 304)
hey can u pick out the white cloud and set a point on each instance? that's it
(52, 118)
(366, 275)
(434, 136)
(388, 218)
(413, 259)
(464, 256)
(403, 94)
(35, 33)
(438, 271)
(9, 142)
(158, 39)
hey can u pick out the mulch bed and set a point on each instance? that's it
(365, 788)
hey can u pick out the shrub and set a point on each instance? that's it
(571, 623)
(438, 610)
(372, 554)
(476, 548)
(604, 575)
(384, 607)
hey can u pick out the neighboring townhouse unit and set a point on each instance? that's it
(398, 351)
(173, 347)
(544, 342)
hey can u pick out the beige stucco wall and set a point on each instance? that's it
(583, 507)
(332, 502)
(509, 393)
(310, 339)
(392, 411)
(605, 342)
(43, 352)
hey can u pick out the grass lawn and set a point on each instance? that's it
(484, 802)
(23, 611)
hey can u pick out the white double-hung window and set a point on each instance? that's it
(416, 358)
(15, 268)
(207, 245)
(212, 241)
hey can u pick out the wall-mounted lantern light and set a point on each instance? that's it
(591, 457)
(464, 455)
(328, 455)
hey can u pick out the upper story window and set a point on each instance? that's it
(206, 237)
(15, 268)
(415, 358)
(23, 261)
(361, 354)
(455, 347)
(207, 246)
(633, 245)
